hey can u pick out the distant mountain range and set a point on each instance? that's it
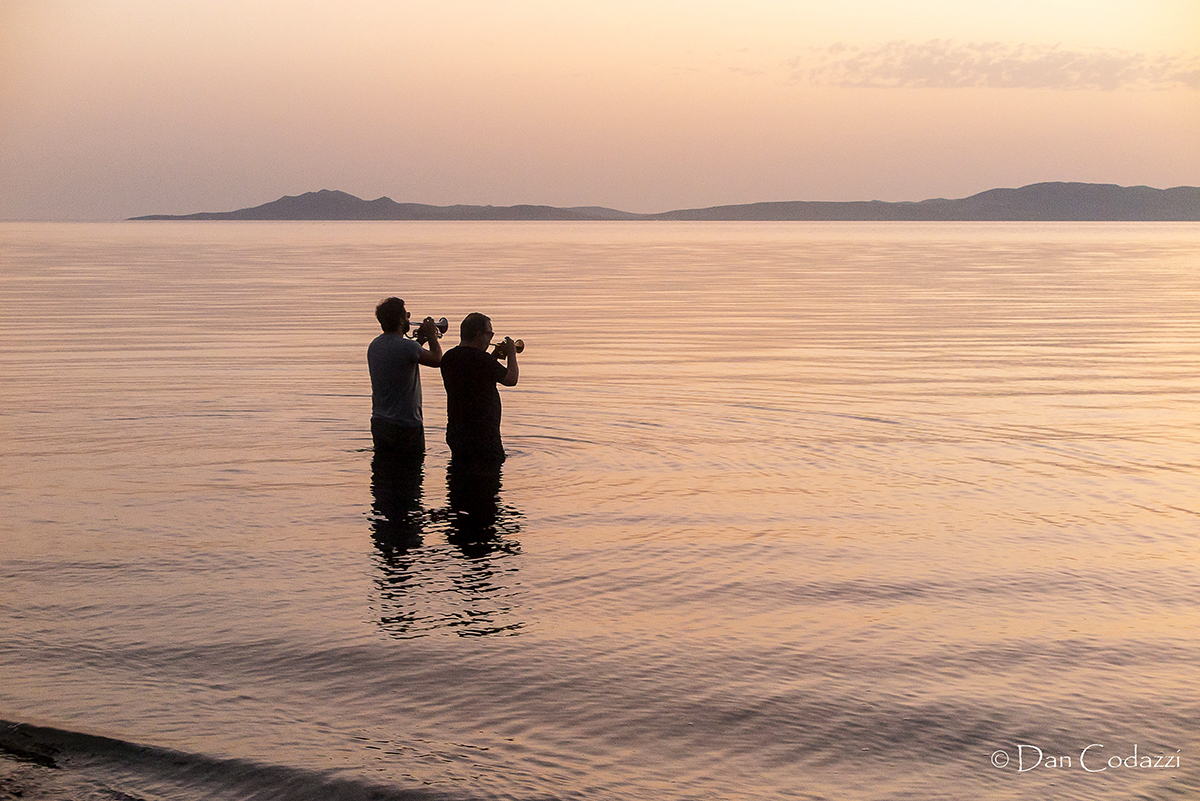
(1045, 201)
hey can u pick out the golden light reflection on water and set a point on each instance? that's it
(817, 491)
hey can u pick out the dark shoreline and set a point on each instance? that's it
(22, 778)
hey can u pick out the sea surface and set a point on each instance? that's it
(791, 511)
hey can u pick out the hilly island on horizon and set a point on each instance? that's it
(1052, 201)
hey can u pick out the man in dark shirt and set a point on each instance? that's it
(397, 427)
(470, 375)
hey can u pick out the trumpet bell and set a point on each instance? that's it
(442, 325)
(518, 346)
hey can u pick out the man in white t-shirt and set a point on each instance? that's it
(397, 427)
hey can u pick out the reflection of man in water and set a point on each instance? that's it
(397, 427)
(470, 375)
(397, 518)
(477, 518)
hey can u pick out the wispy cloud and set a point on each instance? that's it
(942, 63)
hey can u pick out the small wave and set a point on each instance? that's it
(78, 764)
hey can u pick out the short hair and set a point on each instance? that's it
(391, 315)
(473, 325)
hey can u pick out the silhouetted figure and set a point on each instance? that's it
(397, 425)
(470, 375)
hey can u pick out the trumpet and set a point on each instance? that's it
(501, 353)
(442, 326)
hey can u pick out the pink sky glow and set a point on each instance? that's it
(115, 108)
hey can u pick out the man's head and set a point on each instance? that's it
(476, 330)
(391, 316)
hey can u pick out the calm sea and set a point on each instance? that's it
(792, 510)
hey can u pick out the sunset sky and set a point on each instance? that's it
(114, 108)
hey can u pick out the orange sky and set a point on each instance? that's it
(125, 107)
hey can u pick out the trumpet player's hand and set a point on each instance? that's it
(510, 354)
(427, 334)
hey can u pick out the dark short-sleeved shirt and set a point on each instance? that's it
(395, 379)
(470, 376)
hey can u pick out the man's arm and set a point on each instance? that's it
(433, 356)
(510, 377)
